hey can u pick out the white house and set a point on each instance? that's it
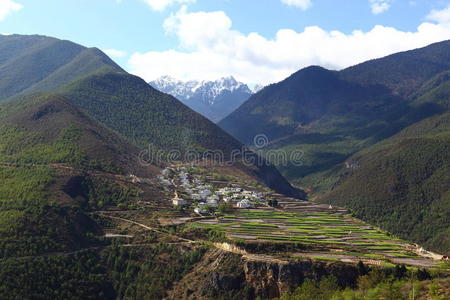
(244, 204)
(196, 197)
(227, 199)
(186, 184)
(212, 203)
(134, 179)
(201, 209)
(204, 193)
(179, 201)
(237, 196)
(167, 182)
(213, 198)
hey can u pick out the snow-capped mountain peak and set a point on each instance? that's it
(210, 90)
(226, 93)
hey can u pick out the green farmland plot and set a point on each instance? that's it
(331, 232)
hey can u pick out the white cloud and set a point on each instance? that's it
(380, 6)
(160, 5)
(303, 4)
(440, 16)
(7, 7)
(210, 48)
(115, 53)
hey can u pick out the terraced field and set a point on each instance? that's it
(331, 232)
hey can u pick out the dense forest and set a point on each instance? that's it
(39, 63)
(406, 184)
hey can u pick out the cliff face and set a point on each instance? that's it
(225, 275)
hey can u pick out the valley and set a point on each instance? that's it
(111, 189)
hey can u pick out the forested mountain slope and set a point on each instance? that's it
(403, 72)
(162, 125)
(331, 115)
(148, 119)
(49, 151)
(403, 183)
(40, 63)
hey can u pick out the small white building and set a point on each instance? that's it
(212, 203)
(196, 197)
(186, 184)
(204, 193)
(213, 198)
(167, 182)
(237, 196)
(227, 199)
(179, 202)
(134, 179)
(201, 209)
(167, 172)
(244, 204)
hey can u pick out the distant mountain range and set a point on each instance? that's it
(213, 99)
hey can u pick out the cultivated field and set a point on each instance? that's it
(329, 232)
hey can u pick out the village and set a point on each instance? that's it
(254, 215)
(190, 191)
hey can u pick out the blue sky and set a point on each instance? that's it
(257, 41)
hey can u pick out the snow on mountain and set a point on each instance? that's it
(209, 90)
(257, 88)
(214, 99)
(175, 87)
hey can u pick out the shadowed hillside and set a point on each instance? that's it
(406, 186)
(331, 115)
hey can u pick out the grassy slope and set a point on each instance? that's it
(36, 216)
(406, 186)
(39, 63)
(144, 115)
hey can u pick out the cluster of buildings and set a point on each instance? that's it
(204, 196)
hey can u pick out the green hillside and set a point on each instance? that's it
(161, 124)
(374, 137)
(39, 63)
(57, 166)
(331, 115)
(60, 170)
(406, 186)
(128, 105)
(403, 72)
(47, 146)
